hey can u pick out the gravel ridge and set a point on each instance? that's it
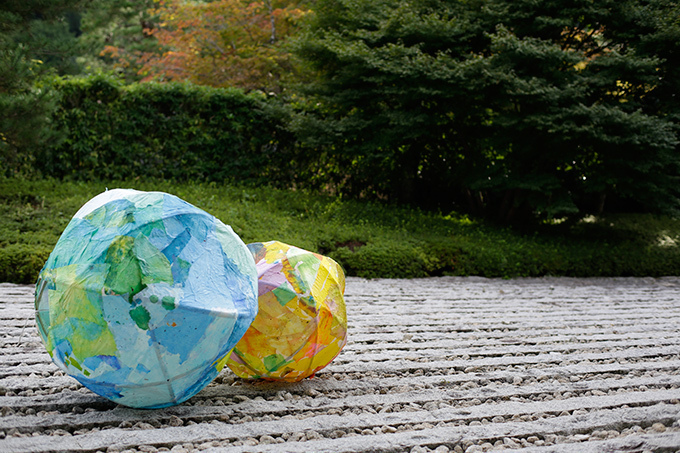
(443, 364)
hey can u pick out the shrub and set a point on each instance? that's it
(21, 263)
(369, 240)
(174, 131)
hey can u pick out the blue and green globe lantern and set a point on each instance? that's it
(144, 296)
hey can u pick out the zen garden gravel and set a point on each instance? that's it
(432, 365)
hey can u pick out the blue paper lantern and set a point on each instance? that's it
(143, 297)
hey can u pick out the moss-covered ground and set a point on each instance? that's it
(367, 239)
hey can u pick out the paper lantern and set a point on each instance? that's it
(143, 297)
(301, 325)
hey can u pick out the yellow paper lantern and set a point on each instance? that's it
(301, 325)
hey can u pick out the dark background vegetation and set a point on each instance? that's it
(481, 137)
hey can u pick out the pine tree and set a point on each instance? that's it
(515, 108)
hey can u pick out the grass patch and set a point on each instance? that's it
(368, 239)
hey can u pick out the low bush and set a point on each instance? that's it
(368, 239)
(20, 263)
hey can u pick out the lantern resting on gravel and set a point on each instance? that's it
(301, 324)
(143, 297)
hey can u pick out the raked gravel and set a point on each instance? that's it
(440, 365)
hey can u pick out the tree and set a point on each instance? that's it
(115, 34)
(35, 39)
(572, 121)
(220, 43)
(516, 108)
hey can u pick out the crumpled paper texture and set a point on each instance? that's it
(143, 297)
(301, 325)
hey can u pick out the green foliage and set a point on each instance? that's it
(33, 216)
(25, 111)
(386, 260)
(34, 40)
(20, 263)
(513, 109)
(368, 239)
(119, 25)
(53, 43)
(174, 131)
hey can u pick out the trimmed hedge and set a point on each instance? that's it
(175, 131)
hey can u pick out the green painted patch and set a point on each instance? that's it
(73, 362)
(141, 317)
(153, 265)
(124, 276)
(148, 228)
(283, 295)
(168, 302)
(273, 362)
(181, 269)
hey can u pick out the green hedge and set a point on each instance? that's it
(173, 131)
